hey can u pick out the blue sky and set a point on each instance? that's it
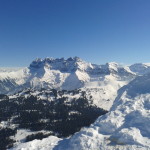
(98, 31)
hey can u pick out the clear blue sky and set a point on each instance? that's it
(98, 31)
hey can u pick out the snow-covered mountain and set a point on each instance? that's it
(100, 81)
(66, 74)
(122, 90)
(125, 127)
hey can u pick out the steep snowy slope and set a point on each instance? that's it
(125, 127)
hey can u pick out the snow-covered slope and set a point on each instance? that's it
(104, 92)
(43, 144)
(125, 127)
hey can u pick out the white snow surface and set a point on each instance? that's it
(125, 127)
(21, 135)
(44, 144)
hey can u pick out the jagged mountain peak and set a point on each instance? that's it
(53, 60)
(61, 64)
(73, 64)
(113, 64)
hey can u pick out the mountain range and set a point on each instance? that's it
(66, 74)
(124, 91)
(99, 81)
